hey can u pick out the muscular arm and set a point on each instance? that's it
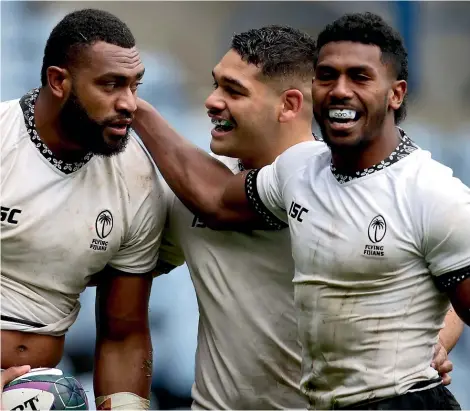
(123, 356)
(460, 298)
(204, 185)
(452, 330)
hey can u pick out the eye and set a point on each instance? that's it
(324, 76)
(110, 86)
(360, 77)
(231, 91)
(136, 86)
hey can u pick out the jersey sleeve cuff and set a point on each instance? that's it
(256, 203)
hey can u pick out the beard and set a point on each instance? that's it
(79, 127)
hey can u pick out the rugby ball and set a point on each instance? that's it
(44, 389)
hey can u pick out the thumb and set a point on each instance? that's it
(11, 373)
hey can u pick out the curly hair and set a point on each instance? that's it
(81, 29)
(369, 28)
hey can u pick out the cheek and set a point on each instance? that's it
(98, 104)
(318, 96)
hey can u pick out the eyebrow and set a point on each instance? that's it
(232, 81)
(120, 77)
(360, 67)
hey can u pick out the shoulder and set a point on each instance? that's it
(433, 190)
(230, 162)
(432, 179)
(137, 169)
(299, 157)
(9, 106)
(11, 114)
(12, 124)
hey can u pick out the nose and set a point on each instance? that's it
(127, 101)
(215, 101)
(341, 89)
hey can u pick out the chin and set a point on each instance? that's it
(221, 148)
(344, 142)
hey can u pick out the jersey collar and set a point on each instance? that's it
(406, 147)
(27, 103)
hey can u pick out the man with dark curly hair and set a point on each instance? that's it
(80, 199)
(379, 230)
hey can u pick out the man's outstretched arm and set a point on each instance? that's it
(204, 184)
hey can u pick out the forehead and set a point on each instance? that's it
(102, 58)
(347, 54)
(232, 66)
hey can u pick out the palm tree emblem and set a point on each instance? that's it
(104, 224)
(377, 229)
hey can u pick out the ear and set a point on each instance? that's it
(397, 94)
(292, 102)
(59, 81)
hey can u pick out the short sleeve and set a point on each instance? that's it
(170, 254)
(139, 251)
(265, 187)
(265, 194)
(447, 236)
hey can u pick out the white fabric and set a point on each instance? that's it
(365, 255)
(54, 247)
(248, 354)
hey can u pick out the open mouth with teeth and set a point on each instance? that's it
(343, 116)
(222, 125)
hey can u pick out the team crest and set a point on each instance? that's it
(376, 233)
(377, 229)
(104, 224)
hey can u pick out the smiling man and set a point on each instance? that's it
(80, 198)
(378, 229)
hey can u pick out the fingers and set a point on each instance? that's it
(11, 373)
(446, 379)
(442, 364)
(440, 356)
(446, 367)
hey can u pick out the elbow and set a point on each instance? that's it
(219, 220)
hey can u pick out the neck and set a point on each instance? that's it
(276, 146)
(46, 117)
(352, 159)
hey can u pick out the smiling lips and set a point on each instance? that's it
(342, 119)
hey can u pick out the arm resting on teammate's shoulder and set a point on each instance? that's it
(204, 184)
(453, 328)
(123, 356)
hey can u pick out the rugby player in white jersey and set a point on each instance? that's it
(259, 113)
(80, 199)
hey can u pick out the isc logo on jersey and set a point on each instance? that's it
(376, 233)
(103, 227)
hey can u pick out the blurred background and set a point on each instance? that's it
(180, 42)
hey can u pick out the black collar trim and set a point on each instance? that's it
(406, 147)
(27, 103)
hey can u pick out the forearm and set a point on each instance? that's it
(452, 330)
(196, 178)
(123, 365)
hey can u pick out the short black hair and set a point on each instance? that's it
(369, 28)
(78, 30)
(279, 51)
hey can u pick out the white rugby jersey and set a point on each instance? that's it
(61, 223)
(370, 251)
(248, 354)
